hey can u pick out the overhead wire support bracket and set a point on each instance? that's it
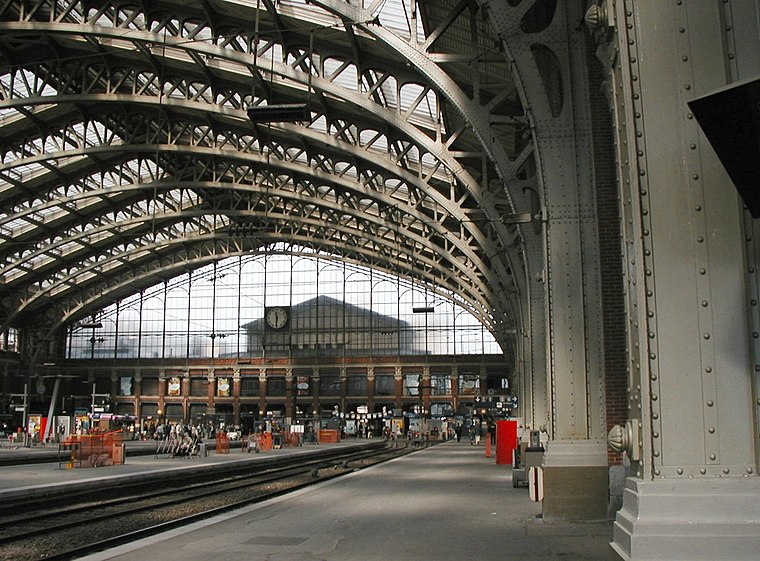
(288, 112)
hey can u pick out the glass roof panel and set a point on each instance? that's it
(397, 15)
(25, 83)
(59, 289)
(38, 261)
(18, 226)
(44, 213)
(347, 78)
(27, 171)
(306, 12)
(134, 255)
(109, 265)
(15, 273)
(66, 161)
(86, 202)
(8, 114)
(69, 247)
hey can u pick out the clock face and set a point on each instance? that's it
(277, 317)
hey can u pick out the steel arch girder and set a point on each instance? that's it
(315, 137)
(563, 152)
(475, 115)
(452, 207)
(71, 279)
(288, 75)
(464, 246)
(457, 214)
(368, 227)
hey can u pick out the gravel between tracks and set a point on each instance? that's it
(41, 547)
(38, 548)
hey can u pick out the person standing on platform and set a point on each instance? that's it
(475, 428)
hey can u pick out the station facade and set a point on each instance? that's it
(237, 395)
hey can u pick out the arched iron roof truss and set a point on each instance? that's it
(127, 157)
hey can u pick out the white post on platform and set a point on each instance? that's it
(51, 409)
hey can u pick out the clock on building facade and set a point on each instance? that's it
(277, 317)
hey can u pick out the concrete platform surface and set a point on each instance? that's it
(444, 503)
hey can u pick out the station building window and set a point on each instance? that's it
(499, 384)
(385, 384)
(440, 384)
(150, 385)
(198, 412)
(224, 413)
(125, 409)
(126, 385)
(249, 386)
(199, 387)
(441, 409)
(329, 385)
(329, 409)
(248, 418)
(149, 410)
(412, 385)
(357, 385)
(275, 386)
(174, 412)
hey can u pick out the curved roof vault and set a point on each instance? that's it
(127, 155)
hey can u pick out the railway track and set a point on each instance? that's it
(85, 523)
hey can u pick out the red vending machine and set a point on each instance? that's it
(506, 441)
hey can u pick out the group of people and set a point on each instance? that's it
(188, 445)
(178, 441)
(475, 431)
(166, 431)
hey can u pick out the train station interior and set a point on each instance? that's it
(398, 218)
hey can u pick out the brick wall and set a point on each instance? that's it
(611, 262)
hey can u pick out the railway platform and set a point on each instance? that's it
(448, 502)
(45, 474)
(47, 453)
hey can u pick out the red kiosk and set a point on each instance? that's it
(506, 441)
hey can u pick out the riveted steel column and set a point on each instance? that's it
(551, 69)
(692, 433)
(575, 466)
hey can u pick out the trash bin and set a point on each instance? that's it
(202, 450)
(118, 454)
